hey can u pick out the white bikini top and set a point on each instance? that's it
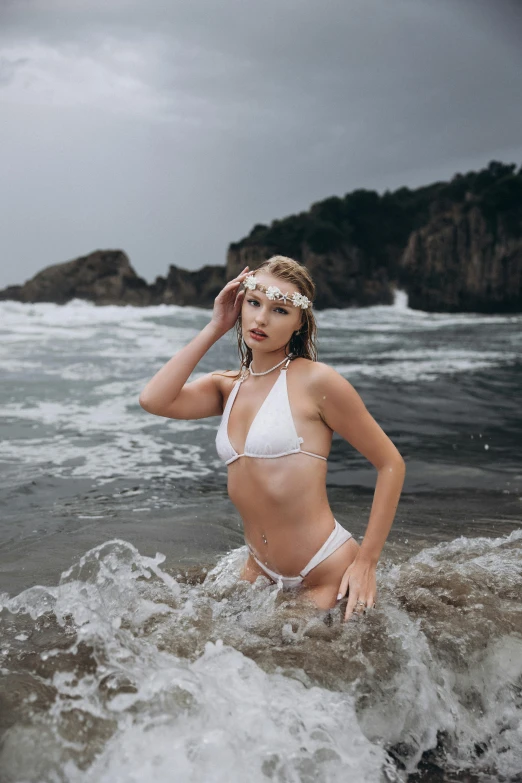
(271, 434)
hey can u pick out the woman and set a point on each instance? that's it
(283, 397)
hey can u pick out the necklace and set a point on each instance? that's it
(250, 370)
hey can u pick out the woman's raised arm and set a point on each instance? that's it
(167, 393)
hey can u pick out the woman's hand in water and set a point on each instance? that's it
(227, 304)
(359, 580)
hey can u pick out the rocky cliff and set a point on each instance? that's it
(452, 246)
(457, 262)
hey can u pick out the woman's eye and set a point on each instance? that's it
(279, 309)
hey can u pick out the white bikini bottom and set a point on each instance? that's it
(336, 539)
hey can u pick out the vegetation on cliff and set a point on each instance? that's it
(373, 222)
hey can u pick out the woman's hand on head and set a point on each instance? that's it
(227, 304)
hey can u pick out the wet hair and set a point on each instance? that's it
(302, 344)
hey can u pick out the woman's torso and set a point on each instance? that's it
(281, 499)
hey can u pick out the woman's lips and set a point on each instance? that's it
(258, 336)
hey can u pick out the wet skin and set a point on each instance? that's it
(321, 584)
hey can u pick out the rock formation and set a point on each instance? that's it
(458, 263)
(104, 277)
(452, 246)
(107, 277)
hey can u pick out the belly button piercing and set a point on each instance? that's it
(264, 539)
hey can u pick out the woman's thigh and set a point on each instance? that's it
(321, 584)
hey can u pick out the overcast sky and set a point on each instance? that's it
(168, 128)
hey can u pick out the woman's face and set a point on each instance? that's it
(276, 319)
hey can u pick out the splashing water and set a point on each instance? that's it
(123, 673)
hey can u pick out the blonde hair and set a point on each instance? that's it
(302, 344)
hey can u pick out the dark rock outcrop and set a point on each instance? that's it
(198, 288)
(103, 277)
(458, 262)
(452, 246)
(107, 277)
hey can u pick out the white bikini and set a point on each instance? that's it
(271, 435)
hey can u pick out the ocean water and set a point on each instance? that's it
(128, 649)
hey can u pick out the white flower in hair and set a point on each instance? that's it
(250, 282)
(300, 301)
(273, 292)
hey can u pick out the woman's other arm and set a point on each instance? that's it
(343, 410)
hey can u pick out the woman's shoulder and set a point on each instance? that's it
(311, 369)
(317, 375)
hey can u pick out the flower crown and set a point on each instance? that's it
(273, 292)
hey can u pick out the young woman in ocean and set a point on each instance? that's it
(283, 397)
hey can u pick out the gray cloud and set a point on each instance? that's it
(8, 68)
(170, 129)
